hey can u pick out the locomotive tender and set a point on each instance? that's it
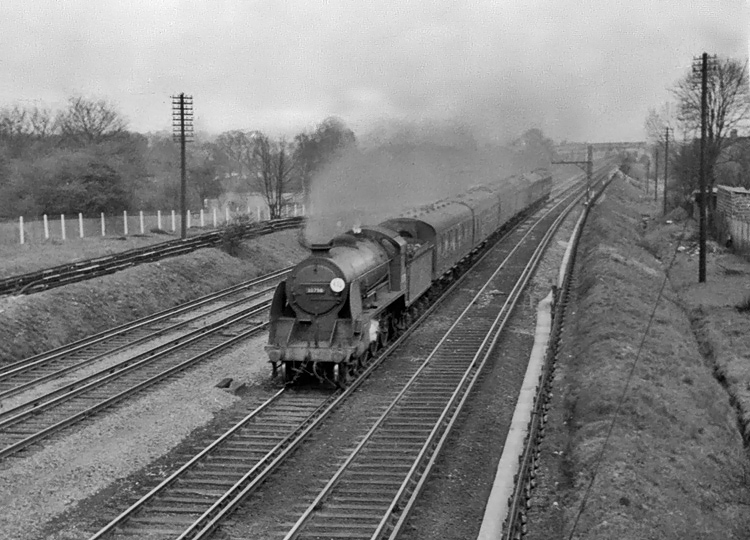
(338, 306)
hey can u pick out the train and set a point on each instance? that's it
(346, 300)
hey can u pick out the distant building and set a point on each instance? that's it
(253, 204)
(733, 212)
(733, 202)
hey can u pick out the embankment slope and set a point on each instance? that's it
(673, 465)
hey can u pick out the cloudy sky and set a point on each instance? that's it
(585, 70)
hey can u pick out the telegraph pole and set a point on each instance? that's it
(182, 132)
(700, 65)
(589, 163)
(656, 174)
(666, 166)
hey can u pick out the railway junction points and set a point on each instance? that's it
(672, 465)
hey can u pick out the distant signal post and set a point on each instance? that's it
(589, 166)
(182, 132)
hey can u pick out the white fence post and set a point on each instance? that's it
(174, 227)
(188, 214)
(203, 223)
(158, 219)
(20, 228)
(104, 229)
(62, 225)
(46, 227)
(214, 217)
(125, 222)
(80, 224)
(260, 216)
(226, 214)
(140, 215)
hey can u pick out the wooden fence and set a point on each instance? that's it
(67, 227)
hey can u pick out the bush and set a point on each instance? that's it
(232, 235)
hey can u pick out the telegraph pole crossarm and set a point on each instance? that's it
(586, 166)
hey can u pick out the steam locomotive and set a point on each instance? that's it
(338, 306)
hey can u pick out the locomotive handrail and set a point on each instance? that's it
(378, 267)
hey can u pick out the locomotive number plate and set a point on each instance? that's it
(316, 290)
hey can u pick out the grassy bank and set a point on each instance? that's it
(666, 460)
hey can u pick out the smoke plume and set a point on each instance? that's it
(399, 166)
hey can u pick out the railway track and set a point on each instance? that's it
(374, 489)
(49, 410)
(65, 274)
(384, 462)
(515, 525)
(23, 375)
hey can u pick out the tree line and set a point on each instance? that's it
(84, 159)
(727, 151)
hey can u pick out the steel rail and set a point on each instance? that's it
(228, 502)
(431, 449)
(253, 478)
(515, 522)
(326, 491)
(87, 361)
(140, 503)
(71, 390)
(15, 368)
(121, 395)
(233, 497)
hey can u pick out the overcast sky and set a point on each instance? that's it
(584, 70)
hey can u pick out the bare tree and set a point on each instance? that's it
(15, 133)
(203, 171)
(314, 149)
(88, 121)
(238, 148)
(41, 122)
(22, 128)
(657, 121)
(728, 100)
(274, 164)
